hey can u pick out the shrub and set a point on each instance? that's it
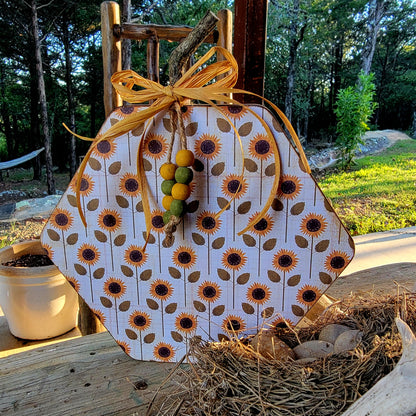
(354, 108)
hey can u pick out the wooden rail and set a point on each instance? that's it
(112, 31)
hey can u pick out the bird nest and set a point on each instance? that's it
(230, 378)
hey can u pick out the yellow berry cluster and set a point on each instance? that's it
(176, 184)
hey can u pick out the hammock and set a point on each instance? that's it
(11, 163)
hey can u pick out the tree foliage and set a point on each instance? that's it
(314, 49)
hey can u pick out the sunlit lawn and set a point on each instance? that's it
(379, 194)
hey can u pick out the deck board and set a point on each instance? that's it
(89, 375)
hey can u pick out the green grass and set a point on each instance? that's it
(379, 193)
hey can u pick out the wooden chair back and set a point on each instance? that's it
(113, 31)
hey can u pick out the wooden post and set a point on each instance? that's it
(153, 59)
(250, 23)
(225, 30)
(111, 46)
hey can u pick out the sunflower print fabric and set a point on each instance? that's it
(211, 282)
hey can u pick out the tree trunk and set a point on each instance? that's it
(375, 14)
(126, 43)
(70, 98)
(42, 98)
(413, 131)
(34, 120)
(295, 38)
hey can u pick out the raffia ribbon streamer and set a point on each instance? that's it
(195, 86)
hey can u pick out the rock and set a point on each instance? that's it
(313, 349)
(270, 346)
(348, 341)
(331, 332)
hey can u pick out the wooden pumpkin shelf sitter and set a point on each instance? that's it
(250, 240)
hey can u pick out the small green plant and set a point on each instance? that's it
(353, 110)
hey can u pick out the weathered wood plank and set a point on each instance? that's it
(111, 47)
(85, 376)
(162, 32)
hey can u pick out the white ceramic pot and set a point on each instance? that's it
(38, 302)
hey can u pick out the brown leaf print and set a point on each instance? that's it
(223, 125)
(139, 206)
(277, 125)
(198, 166)
(122, 202)
(100, 236)
(194, 277)
(222, 202)
(325, 278)
(198, 239)
(120, 240)
(99, 273)
(192, 206)
(138, 131)
(277, 205)
(223, 274)
(273, 276)
(302, 167)
(218, 169)
(250, 165)
(297, 208)
(114, 121)
(267, 313)
(167, 125)
(153, 305)
(131, 334)
(94, 164)
(218, 243)
(171, 308)
(106, 302)
(114, 168)
(53, 235)
(223, 338)
(322, 246)
(149, 338)
(247, 308)
(72, 200)
(243, 278)
(218, 310)
(175, 273)
(145, 275)
(301, 242)
(191, 129)
(93, 204)
(244, 207)
(151, 239)
(126, 270)
(249, 240)
(81, 270)
(72, 239)
(176, 336)
(245, 129)
(270, 170)
(124, 306)
(147, 166)
(269, 244)
(199, 306)
(297, 310)
(294, 280)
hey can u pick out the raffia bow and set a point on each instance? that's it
(195, 86)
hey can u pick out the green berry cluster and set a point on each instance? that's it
(176, 184)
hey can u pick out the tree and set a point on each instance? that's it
(354, 109)
(42, 99)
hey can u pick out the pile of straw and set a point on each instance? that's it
(231, 379)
